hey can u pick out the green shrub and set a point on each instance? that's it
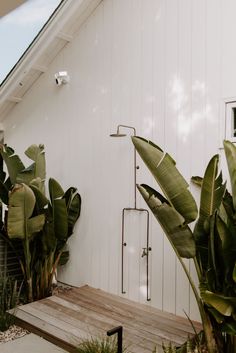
(98, 345)
(41, 221)
(211, 244)
(9, 298)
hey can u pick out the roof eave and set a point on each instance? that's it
(51, 29)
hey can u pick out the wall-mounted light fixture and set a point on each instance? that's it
(62, 78)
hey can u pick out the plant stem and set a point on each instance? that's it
(28, 270)
(199, 274)
(195, 292)
(207, 325)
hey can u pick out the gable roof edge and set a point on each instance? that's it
(63, 13)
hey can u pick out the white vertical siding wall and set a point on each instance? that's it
(162, 66)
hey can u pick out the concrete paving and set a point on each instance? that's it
(30, 344)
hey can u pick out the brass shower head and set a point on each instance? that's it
(117, 135)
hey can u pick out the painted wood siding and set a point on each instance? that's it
(163, 66)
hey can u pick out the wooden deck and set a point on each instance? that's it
(69, 317)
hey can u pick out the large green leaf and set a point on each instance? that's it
(230, 154)
(217, 315)
(41, 199)
(172, 222)
(4, 191)
(35, 224)
(64, 258)
(55, 189)
(13, 163)
(226, 209)
(234, 273)
(59, 210)
(212, 193)
(37, 154)
(224, 305)
(228, 246)
(49, 241)
(36, 169)
(172, 183)
(73, 204)
(212, 250)
(21, 206)
(229, 327)
(197, 180)
(227, 215)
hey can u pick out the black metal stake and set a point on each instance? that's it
(119, 331)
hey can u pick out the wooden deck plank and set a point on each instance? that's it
(159, 334)
(70, 317)
(128, 316)
(132, 334)
(49, 337)
(87, 316)
(144, 307)
(61, 319)
(35, 321)
(49, 321)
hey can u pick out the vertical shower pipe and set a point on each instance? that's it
(148, 248)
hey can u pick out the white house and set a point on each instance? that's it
(165, 67)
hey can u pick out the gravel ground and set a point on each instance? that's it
(15, 332)
(62, 288)
(12, 333)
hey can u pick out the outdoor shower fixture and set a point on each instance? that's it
(146, 250)
(119, 134)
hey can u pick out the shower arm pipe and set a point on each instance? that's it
(135, 161)
(127, 127)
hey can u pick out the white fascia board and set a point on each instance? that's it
(14, 99)
(66, 37)
(40, 68)
(56, 24)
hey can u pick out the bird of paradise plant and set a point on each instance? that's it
(42, 224)
(212, 243)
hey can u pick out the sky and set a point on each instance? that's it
(18, 29)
